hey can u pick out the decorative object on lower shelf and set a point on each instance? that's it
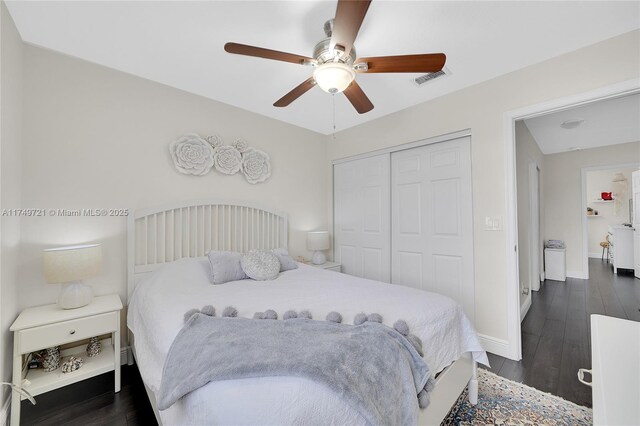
(94, 347)
(51, 359)
(72, 364)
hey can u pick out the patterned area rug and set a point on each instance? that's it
(504, 402)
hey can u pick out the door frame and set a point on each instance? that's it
(511, 222)
(534, 207)
(534, 237)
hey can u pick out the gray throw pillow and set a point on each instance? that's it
(286, 262)
(225, 266)
(260, 265)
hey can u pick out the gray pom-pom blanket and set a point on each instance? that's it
(371, 366)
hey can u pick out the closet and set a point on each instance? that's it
(405, 217)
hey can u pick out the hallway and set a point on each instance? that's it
(556, 337)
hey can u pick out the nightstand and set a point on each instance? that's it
(331, 266)
(48, 326)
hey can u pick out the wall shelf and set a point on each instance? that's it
(594, 215)
(602, 201)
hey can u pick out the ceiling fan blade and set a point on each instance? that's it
(357, 98)
(244, 49)
(298, 91)
(431, 62)
(349, 17)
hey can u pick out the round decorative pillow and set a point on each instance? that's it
(260, 265)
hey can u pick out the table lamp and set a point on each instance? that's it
(69, 266)
(317, 241)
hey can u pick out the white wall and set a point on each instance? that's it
(98, 138)
(597, 182)
(11, 51)
(563, 193)
(527, 151)
(481, 108)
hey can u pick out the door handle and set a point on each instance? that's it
(581, 377)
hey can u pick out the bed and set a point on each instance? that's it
(169, 274)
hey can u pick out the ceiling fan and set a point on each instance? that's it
(335, 60)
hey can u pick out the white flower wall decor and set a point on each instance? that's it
(196, 156)
(192, 155)
(227, 160)
(215, 141)
(240, 144)
(255, 165)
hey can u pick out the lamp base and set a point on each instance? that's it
(318, 258)
(75, 295)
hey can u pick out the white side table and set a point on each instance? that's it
(331, 266)
(48, 326)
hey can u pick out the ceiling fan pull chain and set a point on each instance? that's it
(333, 103)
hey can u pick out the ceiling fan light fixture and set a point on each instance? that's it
(334, 77)
(571, 124)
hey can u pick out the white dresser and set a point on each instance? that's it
(615, 371)
(621, 247)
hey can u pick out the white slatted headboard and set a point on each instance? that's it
(191, 229)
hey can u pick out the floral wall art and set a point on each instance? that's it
(193, 155)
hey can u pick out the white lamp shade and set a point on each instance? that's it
(333, 77)
(73, 263)
(317, 240)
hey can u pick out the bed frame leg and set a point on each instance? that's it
(473, 385)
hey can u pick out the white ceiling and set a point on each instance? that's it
(608, 122)
(181, 44)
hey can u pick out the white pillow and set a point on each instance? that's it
(260, 265)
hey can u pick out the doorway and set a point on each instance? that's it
(511, 119)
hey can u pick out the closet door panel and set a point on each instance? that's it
(432, 220)
(408, 269)
(362, 217)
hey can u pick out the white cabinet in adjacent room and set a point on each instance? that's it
(621, 247)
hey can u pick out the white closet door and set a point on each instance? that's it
(432, 221)
(362, 217)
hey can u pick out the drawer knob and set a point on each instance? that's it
(72, 332)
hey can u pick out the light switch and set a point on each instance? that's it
(493, 223)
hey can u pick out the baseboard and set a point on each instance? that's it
(4, 411)
(125, 353)
(577, 274)
(525, 308)
(495, 346)
(596, 255)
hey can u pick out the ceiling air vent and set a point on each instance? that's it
(424, 79)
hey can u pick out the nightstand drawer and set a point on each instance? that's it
(47, 336)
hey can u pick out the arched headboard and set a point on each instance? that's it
(190, 229)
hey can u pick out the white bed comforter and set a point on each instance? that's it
(158, 305)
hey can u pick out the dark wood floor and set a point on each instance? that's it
(555, 339)
(556, 335)
(93, 402)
